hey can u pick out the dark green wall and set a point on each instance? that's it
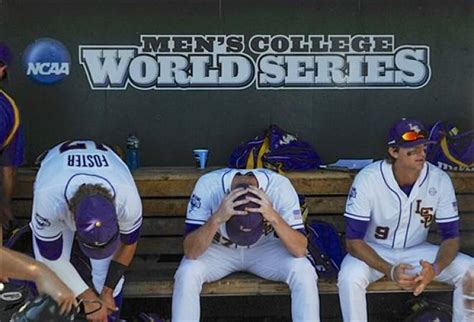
(339, 123)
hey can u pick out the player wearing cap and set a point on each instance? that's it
(244, 220)
(11, 140)
(389, 211)
(85, 195)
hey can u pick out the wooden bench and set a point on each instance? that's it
(165, 193)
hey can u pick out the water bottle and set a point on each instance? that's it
(132, 155)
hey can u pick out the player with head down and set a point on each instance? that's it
(86, 220)
(390, 208)
(244, 220)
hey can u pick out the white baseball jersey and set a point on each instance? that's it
(212, 187)
(67, 166)
(395, 219)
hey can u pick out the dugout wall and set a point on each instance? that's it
(340, 93)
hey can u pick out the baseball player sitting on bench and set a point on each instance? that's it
(85, 196)
(389, 211)
(244, 220)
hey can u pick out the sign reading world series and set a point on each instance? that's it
(192, 62)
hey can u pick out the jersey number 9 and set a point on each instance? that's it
(381, 232)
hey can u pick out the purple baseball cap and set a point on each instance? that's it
(6, 56)
(245, 230)
(97, 227)
(408, 133)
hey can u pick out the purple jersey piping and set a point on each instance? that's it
(399, 205)
(408, 227)
(222, 179)
(426, 175)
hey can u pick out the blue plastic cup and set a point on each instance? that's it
(201, 157)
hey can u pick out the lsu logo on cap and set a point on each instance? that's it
(47, 61)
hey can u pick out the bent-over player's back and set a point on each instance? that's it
(72, 157)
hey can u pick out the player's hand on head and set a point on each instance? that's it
(49, 283)
(265, 204)
(228, 205)
(425, 277)
(404, 278)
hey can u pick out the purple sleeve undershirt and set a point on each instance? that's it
(52, 250)
(449, 230)
(356, 229)
(131, 237)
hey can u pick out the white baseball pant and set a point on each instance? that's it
(356, 275)
(269, 260)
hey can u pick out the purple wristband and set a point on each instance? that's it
(435, 268)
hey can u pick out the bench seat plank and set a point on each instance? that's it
(159, 283)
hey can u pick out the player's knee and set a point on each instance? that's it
(188, 273)
(468, 290)
(348, 278)
(460, 268)
(302, 272)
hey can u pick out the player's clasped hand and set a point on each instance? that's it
(425, 277)
(96, 311)
(95, 308)
(108, 298)
(228, 205)
(403, 277)
(266, 206)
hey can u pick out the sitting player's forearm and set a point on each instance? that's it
(197, 242)
(294, 241)
(448, 250)
(361, 250)
(125, 253)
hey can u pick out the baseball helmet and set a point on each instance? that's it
(247, 229)
(43, 309)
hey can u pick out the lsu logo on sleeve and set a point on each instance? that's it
(41, 222)
(194, 203)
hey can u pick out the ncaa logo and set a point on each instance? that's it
(47, 61)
